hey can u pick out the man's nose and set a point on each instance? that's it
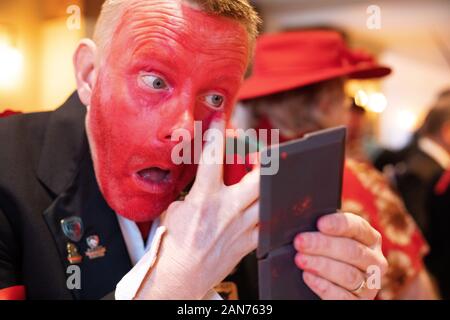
(181, 120)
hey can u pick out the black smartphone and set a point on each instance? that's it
(308, 185)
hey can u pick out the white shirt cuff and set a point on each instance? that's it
(128, 287)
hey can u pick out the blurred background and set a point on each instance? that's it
(38, 37)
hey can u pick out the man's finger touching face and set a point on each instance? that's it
(167, 65)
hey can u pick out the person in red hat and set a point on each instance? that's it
(297, 86)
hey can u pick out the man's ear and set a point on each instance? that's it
(84, 61)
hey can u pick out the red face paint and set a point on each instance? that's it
(167, 66)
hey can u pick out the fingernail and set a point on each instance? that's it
(301, 242)
(302, 261)
(298, 242)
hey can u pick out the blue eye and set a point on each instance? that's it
(154, 82)
(215, 100)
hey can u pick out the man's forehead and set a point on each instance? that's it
(180, 23)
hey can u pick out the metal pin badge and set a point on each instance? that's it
(95, 249)
(72, 228)
(72, 254)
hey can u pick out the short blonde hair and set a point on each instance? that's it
(239, 10)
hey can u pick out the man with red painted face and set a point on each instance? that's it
(83, 187)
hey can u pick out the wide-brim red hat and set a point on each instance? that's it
(291, 60)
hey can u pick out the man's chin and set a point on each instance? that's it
(142, 210)
(132, 203)
(145, 213)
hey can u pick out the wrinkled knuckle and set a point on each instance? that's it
(356, 252)
(363, 228)
(378, 236)
(354, 278)
(343, 222)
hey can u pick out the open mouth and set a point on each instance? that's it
(154, 180)
(154, 175)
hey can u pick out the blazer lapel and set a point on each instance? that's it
(66, 169)
(65, 143)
